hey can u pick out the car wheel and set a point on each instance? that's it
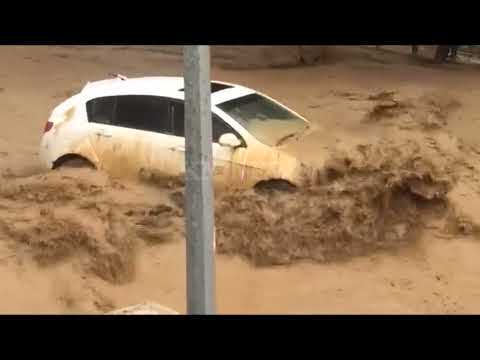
(73, 162)
(268, 186)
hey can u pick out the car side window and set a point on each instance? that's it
(101, 110)
(177, 112)
(141, 112)
(219, 127)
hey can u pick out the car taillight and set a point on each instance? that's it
(48, 126)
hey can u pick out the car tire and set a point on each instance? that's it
(75, 162)
(274, 185)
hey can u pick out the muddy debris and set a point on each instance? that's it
(382, 96)
(379, 200)
(429, 111)
(57, 217)
(323, 223)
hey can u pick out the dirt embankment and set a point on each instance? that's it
(254, 57)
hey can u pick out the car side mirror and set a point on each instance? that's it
(229, 140)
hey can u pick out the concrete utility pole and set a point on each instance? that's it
(199, 211)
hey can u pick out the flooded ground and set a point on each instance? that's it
(391, 227)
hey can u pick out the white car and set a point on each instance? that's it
(136, 127)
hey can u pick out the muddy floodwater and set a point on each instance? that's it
(390, 226)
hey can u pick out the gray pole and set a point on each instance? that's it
(199, 212)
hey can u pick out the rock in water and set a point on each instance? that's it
(146, 308)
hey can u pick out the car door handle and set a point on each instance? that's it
(103, 134)
(179, 148)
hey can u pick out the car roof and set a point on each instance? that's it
(168, 86)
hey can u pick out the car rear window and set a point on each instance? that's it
(101, 110)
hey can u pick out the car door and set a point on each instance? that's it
(133, 135)
(222, 155)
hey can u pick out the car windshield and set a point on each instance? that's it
(267, 121)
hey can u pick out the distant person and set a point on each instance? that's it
(446, 52)
(453, 52)
(414, 50)
(442, 52)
